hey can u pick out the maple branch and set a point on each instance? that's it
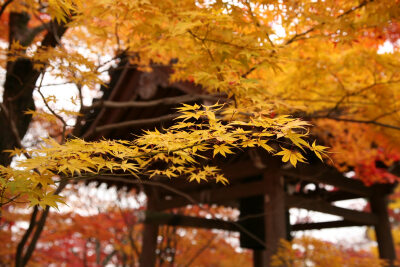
(9, 200)
(256, 22)
(201, 250)
(357, 121)
(130, 232)
(204, 39)
(107, 62)
(55, 84)
(21, 260)
(348, 94)
(108, 258)
(118, 40)
(297, 36)
(52, 111)
(393, 111)
(132, 123)
(24, 239)
(39, 228)
(152, 103)
(3, 6)
(203, 42)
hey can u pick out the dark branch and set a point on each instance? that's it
(201, 250)
(351, 10)
(135, 123)
(163, 101)
(3, 7)
(24, 239)
(358, 121)
(64, 123)
(39, 228)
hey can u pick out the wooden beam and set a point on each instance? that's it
(332, 196)
(242, 169)
(258, 188)
(237, 191)
(217, 195)
(325, 207)
(161, 218)
(323, 225)
(235, 172)
(329, 175)
(152, 217)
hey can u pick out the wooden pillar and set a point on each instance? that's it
(253, 225)
(258, 258)
(382, 228)
(275, 211)
(149, 239)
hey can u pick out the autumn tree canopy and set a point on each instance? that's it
(275, 65)
(314, 60)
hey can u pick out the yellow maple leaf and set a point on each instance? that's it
(292, 156)
(221, 149)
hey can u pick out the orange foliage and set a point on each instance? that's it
(359, 147)
(308, 251)
(111, 234)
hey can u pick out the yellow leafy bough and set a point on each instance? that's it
(199, 129)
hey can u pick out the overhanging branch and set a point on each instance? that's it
(358, 121)
(164, 101)
(3, 6)
(134, 123)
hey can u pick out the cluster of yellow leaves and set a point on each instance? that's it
(58, 10)
(307, 251)
(180, 151)
(68, 65)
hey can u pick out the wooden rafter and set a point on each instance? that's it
(162, 218)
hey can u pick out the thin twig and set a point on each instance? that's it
(130, 232)
(223, 42)
(394, 111)
(153, 103)
(201, 250)
(133, 123)
(358, 121)
(203, 42)
(39, 227)
(256, 22)
(3, 7)
(297, 36)
(52, 111)
(55, 84)
(24, 239)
